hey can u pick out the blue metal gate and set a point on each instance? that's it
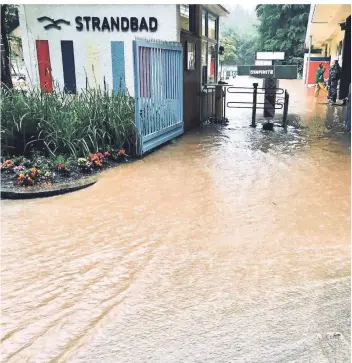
(158, 88)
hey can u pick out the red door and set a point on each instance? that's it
(313, 66)
(43, 56)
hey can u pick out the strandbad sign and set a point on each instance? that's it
(109, 24)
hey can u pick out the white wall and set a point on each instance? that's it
(32, 29)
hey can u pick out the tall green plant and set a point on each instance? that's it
(60, 123)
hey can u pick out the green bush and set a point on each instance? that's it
(60, 123)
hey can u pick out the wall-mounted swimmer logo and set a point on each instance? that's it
(53, 23)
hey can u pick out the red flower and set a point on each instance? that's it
(20, 178)
(61, 166)
(93, 157)
(7, 164)
(100, 155)
(121, 152)
(106, 154)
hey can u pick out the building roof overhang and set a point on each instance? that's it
(217, 9)
(324, 22)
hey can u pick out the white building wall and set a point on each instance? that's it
(32, 30)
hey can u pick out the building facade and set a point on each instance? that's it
(73, 47)
(329, 29)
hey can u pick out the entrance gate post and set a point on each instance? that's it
(270, 85)
(254, 109)
(284, 120)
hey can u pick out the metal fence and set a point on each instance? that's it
(158, 92)
(281, 102)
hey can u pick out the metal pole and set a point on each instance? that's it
(284, 120)
(254, 109)
(200, 105)
(309, 53)
(225, 90)
(208, 104)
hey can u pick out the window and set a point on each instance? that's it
(187, 17)
(204, 24)
(204, 62)
(211, 27)
(184, 14)
(339, 49)
(209, 48)
(211, 63)
(204, 53)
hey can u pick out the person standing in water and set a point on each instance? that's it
(319, 80)
(334, 76)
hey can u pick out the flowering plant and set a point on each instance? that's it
(19, 168)
(28, 177)
(33, 172)
(7, 165)
(81, 161)
(96, 159)
(121, 153)
(84, 164)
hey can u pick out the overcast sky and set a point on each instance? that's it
(247, 5)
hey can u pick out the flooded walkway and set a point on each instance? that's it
(229, 245)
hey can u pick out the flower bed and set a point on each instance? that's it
(58, 138)
(40, 172)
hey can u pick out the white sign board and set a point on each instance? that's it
(261, 72)
(263, 62)
(270, 55)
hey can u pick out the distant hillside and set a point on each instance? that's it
(240, 19)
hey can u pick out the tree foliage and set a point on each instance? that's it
(228, 41)
(11, 18)
(247, 48)
(240, 49)
(239, 36)
(9, 21)
(282, 28)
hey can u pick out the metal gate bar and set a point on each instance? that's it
(281, 90)
(254, 104)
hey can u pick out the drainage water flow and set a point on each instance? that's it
(231, 244)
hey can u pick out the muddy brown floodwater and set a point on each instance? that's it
(229, 245)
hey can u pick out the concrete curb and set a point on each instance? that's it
(57, 190)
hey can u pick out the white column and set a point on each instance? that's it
(309, 53)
